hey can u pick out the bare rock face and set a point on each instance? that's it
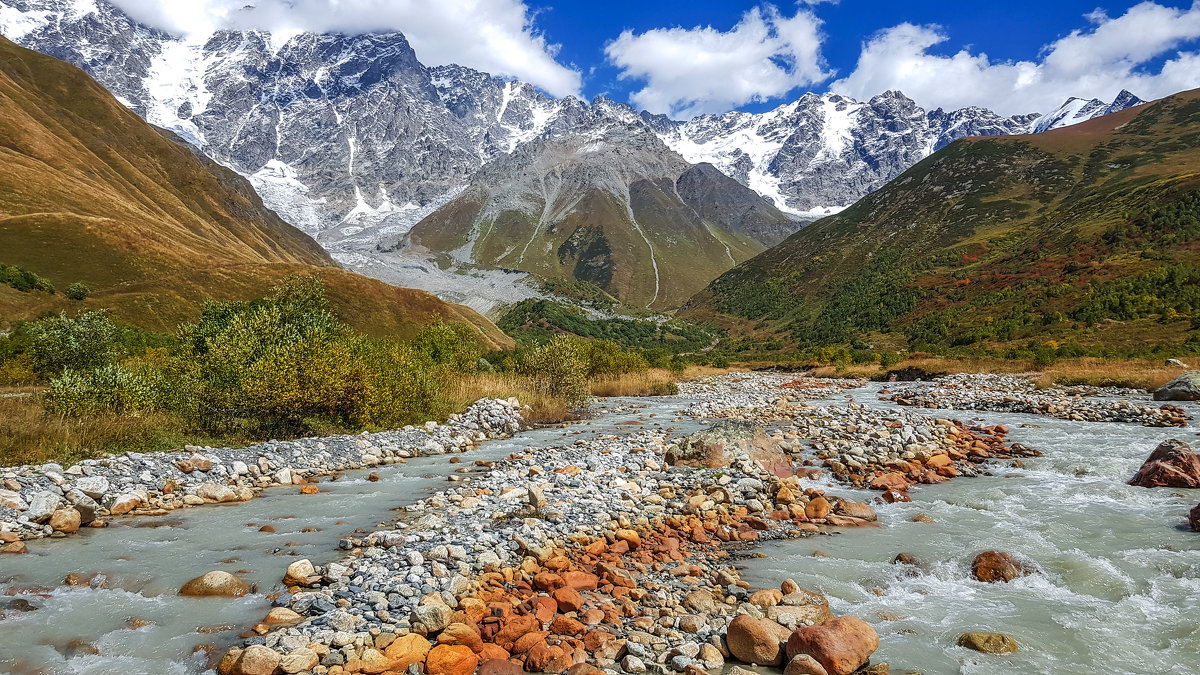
(1186, 387)
(1172, 464)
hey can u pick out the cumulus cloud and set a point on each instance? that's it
(1097, 62)
(496, 36)
(689, 71)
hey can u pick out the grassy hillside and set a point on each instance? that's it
(91, 194)
(1085, 238)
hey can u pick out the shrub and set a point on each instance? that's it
(78, 291)
(83, 342)
(23, 280)
(109, 388)
(558, 368)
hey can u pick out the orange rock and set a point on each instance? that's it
(766, 598)
(889, 481)
(565, 625)
(581, 581)
(500, 667)
(407, 650)
(528, 640)
(514, 628)
(840, 645)
(548, 581)
(451, 660)
(461, 634)
(309, 490)
(592, 617)
(558, 563)
(630, 537)
(491, 651)
(568, 599)
(544, 609)
(817, 508)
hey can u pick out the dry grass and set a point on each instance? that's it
(464, 390)
(28, 435)
(1134, 373)
(654, 382)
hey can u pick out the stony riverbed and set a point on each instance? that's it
(619, 551)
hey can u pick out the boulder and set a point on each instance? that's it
(804, 664)
(124, 504)
(1194, 518)
(841, 645)
(817, 508)
(435, 616)
(856, 510)
(214, 492)
(728, 442)
(217, 583)
(299, 661)
(12, 499)
(1172, 464)
(757, 641)
(257, 660)
(996, 566)
(301, 573)
(43, 505)
(66, 521)
(451, 660)
(461, 634)
(16, 547)
(92, 486)
(407, 650)
(282, 616)
(989, 643)
(1186, 387)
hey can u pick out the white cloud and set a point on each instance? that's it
(1110, 55)
(496, 36)
(688, 71)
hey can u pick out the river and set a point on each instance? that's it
(1119, 588)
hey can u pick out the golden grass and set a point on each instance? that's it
(28, 435)
(653, 382)
(464, 390)
(1134, 373)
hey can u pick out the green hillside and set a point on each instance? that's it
(1086, 237)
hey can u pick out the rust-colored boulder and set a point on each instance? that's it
(988, 643)
(766, 598)
(451, 660)
(757, 641)
(856, 510)
(581, 581)
(818, 508)
(1172, 464)
(407, 650)
(841, 645)
(257, 660)
(568, 599)
(500, 667)
(461, 634)
(996, 566)
(1194, 518)
(890, 481)
(514, 628)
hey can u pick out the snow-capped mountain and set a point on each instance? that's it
(352, 139)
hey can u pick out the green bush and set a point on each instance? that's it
(81, 343)
(558, 368)
(23, 280)
(107, 389)
(78, 291)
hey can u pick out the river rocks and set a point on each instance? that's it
(728, 442)
(988, 643)
(817, 508)
(301, 573)
(299, 660)
(16, 547)
(407, 650)
(841, 645)
(65, 520)
(451, 660)
(257, 660)
(11, 499)
(1186, 387)
(1194, 518)
(757, 641)
(218, 583)
(93, 486)
(124, 504)
(1172, 464)
(42, 506)
(215, 493)
(1010, 393)
(852, 509)
(804, 664)
(282, 616)
(996, 566)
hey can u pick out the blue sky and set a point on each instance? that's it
(1010, 31)
(688, 57)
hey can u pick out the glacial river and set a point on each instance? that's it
(1118, 592)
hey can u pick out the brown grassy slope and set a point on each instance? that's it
(89, 192)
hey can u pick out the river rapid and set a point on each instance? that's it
(1118, 591)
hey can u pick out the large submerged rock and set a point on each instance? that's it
(218, 583)
(1186, 387)
(996, 566)
(1172, 464)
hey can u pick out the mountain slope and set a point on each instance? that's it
(607, 204)
(1088, 234)
(91, 193)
